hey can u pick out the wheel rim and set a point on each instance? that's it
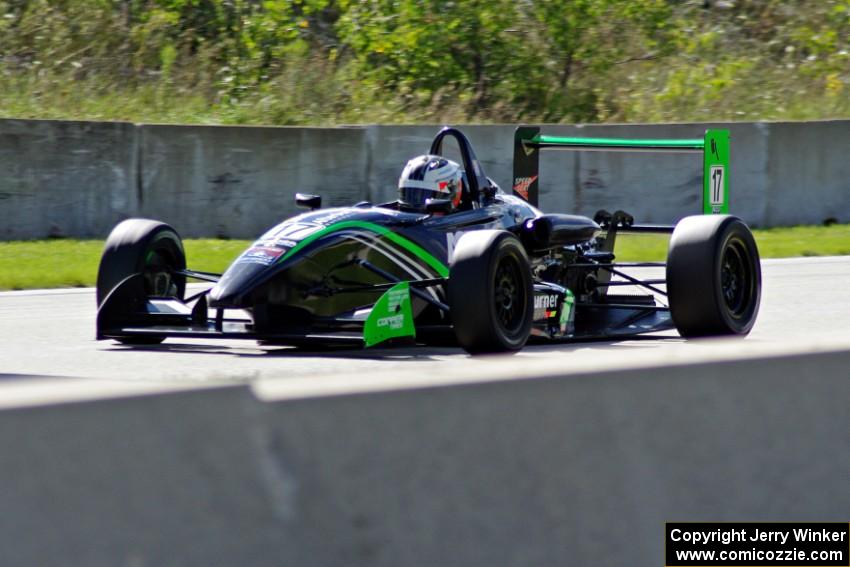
(736, 278)
(158, 275)
(509, 296)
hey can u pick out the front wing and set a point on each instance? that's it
(123, 316)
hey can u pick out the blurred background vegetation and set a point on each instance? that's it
(326, 62)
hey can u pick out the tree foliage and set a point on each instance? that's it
(331, 61)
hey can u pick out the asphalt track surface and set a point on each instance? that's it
(48, 352)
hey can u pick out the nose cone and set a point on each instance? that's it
(236, 284)
(221, 296)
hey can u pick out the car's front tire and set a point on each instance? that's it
(713, 276)
(490, 292)
(147, 247)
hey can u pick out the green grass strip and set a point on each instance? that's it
(60, 263)
(38, 264)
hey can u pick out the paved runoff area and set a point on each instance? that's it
(48, 352)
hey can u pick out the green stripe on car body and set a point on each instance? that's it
(411, 247)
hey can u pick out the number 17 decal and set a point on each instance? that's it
(716, 177)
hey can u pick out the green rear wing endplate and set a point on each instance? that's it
(714, 146)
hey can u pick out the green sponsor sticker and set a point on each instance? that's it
(567, 320)
(391, 317)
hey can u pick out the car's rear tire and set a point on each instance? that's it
(713, 276)
(144, 246)
(490, 292)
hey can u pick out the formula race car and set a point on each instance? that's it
(487, 270)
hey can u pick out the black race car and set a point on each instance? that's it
(487, 276)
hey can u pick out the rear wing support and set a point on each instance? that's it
(714, 146)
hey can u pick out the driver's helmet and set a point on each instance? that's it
(430, 177)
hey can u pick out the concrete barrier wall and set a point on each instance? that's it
(66, 178)
(81, 178)
(808, 172)
(571, 470)
(236, 181)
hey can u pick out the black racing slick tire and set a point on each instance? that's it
(490, 292)
(144, 246)
(713, 276)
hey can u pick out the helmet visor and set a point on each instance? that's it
(416, 196)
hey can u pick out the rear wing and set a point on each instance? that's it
(714, 146)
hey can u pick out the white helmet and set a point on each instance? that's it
(430, 177)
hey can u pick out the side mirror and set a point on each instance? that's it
(444, 206)
(311, 202)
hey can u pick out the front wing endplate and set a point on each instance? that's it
(391, 317)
